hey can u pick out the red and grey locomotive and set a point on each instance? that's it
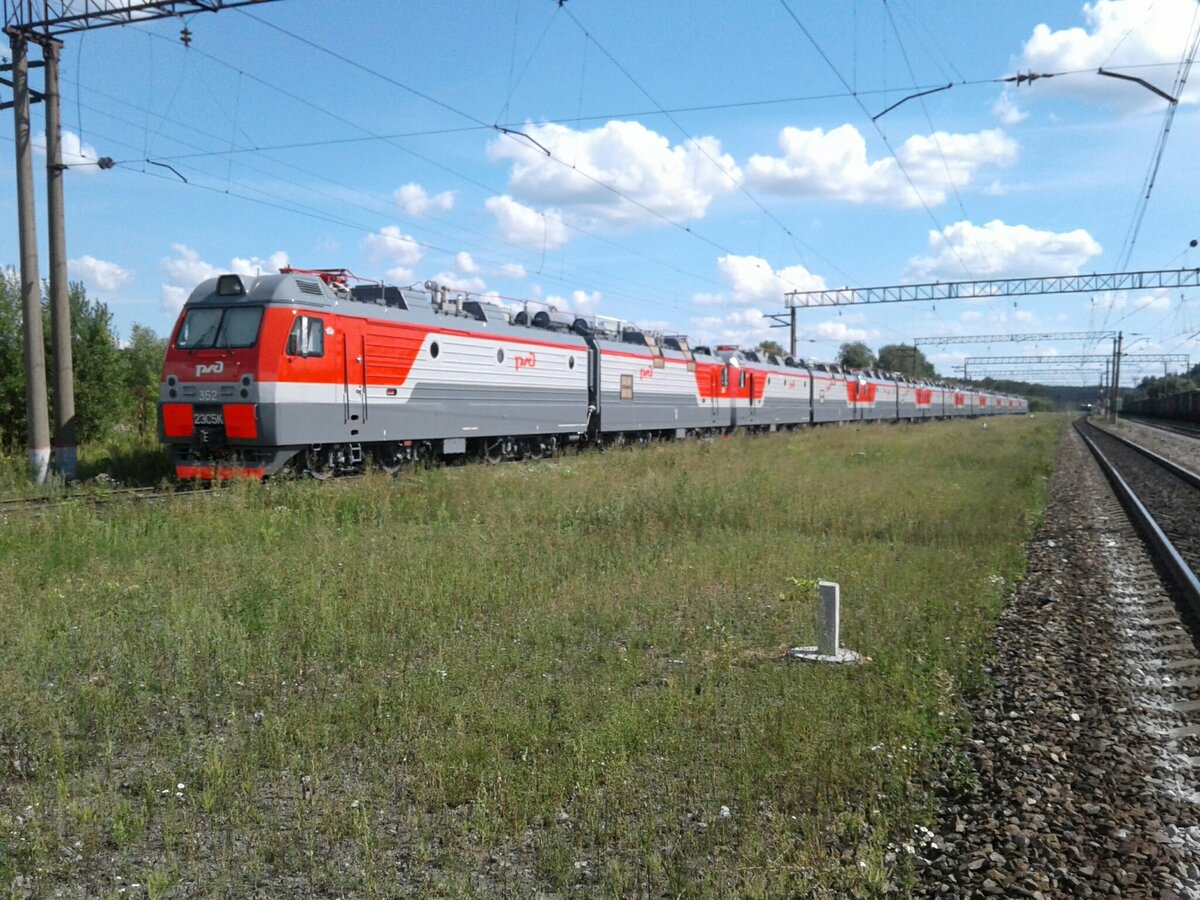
(303, 370)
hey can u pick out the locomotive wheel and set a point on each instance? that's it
(318, 463)
(494, 452)
(390, 458)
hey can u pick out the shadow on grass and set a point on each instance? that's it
(135, 462)
(126, 460)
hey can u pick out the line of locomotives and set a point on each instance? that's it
(302, 371)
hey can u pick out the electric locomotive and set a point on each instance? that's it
(302, 370)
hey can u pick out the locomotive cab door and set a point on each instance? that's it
(593, 388)
(354, 381)
(715, 394)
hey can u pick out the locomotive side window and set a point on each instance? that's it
(724, 378)
(741, 379)
(307, 337)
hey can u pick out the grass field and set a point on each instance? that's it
(564, 677)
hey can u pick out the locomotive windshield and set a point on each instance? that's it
(230, 327)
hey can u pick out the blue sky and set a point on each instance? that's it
(677, 164)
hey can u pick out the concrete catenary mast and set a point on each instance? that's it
(27, 22)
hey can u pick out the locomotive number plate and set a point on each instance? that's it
(208, 418)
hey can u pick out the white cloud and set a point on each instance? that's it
(1158, 301)
(834, 165)
(459, 282)
(579, 302)
(186, 267)
(389, 245)
(837, 330)
(1005, 109)
(745, 327)
(522, 225)
(749, 327)
(752, 280)
(399, 275)
(464, 263)
(1108, 301)
(998, 250)
(1116, 33)
(185, 270)
(413, 199)
(513, 270)
(75, 153)
(98, 274)
(662, 181)
(255, 266)
(971, 315)
(173, 297)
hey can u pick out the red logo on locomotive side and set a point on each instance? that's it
(524, 362)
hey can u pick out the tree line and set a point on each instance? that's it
(1167, 385)
(902, 358)
(116, 385)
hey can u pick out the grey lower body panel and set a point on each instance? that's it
(429, 415)
(659, 413)
(829, 412)
(778, 414)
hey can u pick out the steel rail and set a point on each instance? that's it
(131, 494)
(1172, 427)
(1182, 574)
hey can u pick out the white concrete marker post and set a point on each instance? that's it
(829, 615)
(829, 600)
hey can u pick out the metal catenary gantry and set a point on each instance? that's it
(986, 289)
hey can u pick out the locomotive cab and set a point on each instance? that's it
(209, 394)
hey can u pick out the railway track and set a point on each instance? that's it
(1190, 431)
(1162, 500)
(98, 498)
(1085, 753)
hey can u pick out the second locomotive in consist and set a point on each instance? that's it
(301, 370)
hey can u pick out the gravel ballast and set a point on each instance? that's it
(1077, 777)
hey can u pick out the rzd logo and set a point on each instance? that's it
(215, 369)
(524, 362)
(646, 373)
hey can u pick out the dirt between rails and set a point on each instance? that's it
(1069, 783)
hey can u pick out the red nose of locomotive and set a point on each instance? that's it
(209, 395)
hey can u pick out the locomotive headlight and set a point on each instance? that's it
(230, 286)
